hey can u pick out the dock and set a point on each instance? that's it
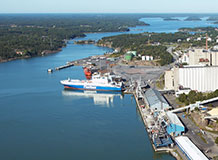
(144, 113)
(65, 66)
(100, 62)
(160, 140)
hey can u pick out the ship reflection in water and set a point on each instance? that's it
(99, 98)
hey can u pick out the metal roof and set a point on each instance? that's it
(190, 149)
(174, 119)
(153, 96)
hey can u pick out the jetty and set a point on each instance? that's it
(67, 65)
(70, 64)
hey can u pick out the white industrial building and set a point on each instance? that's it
(190, 150)
(147, 58)
(200, 74)
(200, 78)
(202, 57)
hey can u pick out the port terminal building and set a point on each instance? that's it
(189, 149)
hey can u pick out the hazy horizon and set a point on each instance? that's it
(109, 13)
(112, 6)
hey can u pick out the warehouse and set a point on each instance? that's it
(190, 150)
(200, 78)
(175, 126)
(156, 101)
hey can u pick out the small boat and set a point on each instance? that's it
(50, 70)
(97, 82)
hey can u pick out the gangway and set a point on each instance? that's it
(191, 106)
(197, 104)
(209, 100)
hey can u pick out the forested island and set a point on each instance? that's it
(192, 18)
(171, 19)
(28, 35)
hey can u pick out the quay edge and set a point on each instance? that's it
(163, 149)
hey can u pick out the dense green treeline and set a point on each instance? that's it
(152, 44)
(132, 40)
(80, 22)
(32, 41)
(194, 96)
(37, 34)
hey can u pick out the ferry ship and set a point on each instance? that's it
(97, 82)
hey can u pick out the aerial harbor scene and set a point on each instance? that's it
(118, 80)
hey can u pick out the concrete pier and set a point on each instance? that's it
(64, 66)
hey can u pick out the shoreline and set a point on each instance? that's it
(66, 40)
(27, 57)
(48, 52)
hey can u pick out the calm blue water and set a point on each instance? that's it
(39, 120)
(157, 25)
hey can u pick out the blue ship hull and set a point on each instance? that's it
(96, 88)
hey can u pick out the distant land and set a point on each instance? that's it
(29, 35)
(171, 19)
(193, 19)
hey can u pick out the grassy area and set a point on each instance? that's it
(215, 158)
(160, 82)
(179, 103)
(201, 136)
(114, 55)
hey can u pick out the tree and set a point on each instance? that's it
(192, 96)
(216, 140)
(182, 97)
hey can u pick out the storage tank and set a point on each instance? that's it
(128, 56)
(143, 58)
(147, 58)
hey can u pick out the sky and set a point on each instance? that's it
(108, 6)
